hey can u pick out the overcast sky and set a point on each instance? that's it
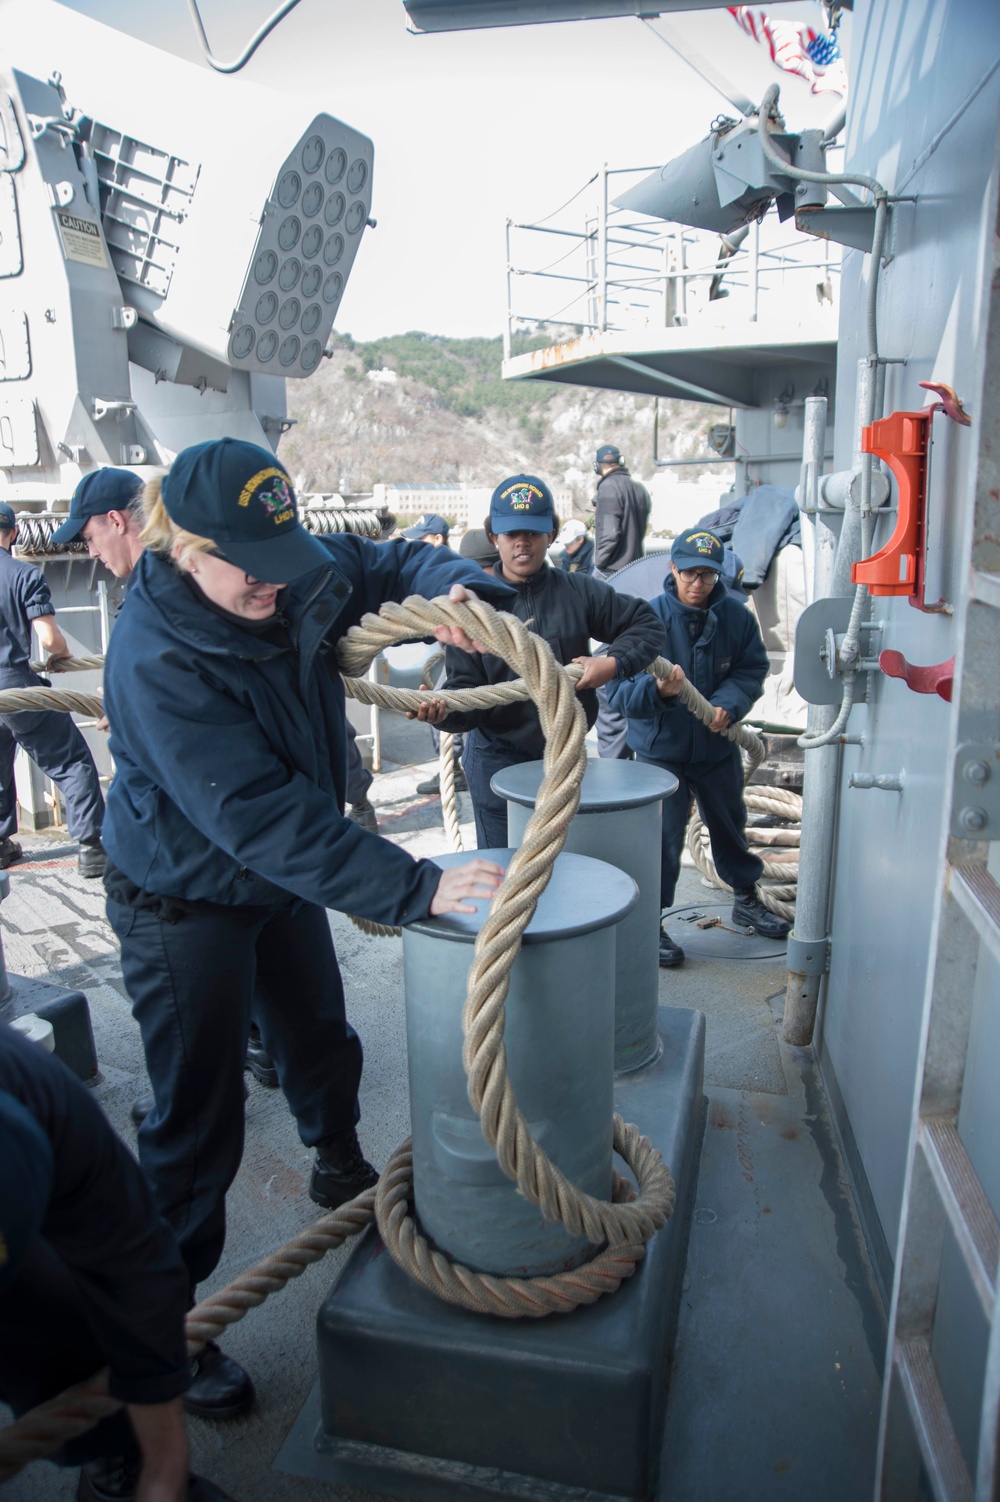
(472, 127)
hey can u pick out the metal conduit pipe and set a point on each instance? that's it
(852, 639)
(808, 944)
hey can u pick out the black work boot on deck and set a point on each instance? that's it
(220, 1389)
(117, 1478)
(363, 813)
(341, 1171)
(671, 954)
(752, 917)
(10, 851)
(259, 1061)
(114, 1478)
(432, 786)
(91, 859)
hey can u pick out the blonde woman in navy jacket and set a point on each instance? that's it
(226, 835)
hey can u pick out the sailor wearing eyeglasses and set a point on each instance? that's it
(714, 642)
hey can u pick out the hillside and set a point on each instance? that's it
(422, 409)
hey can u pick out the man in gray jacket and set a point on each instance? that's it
(622, 516)
(622, 512)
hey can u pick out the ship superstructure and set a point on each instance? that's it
(117, 349)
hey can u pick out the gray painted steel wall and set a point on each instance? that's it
(915, 66)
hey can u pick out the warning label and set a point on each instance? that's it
(81, 240)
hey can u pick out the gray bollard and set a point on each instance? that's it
(618, 821)
(559, 1041)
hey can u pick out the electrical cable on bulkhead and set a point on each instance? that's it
(851, 649)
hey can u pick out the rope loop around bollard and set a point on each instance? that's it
(507, 1297)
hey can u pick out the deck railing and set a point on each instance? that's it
(621, 271)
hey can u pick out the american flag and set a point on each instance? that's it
(813, 55)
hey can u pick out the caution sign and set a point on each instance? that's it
(81, 240)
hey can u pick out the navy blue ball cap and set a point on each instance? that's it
(697, 549)
(7, 517)
(522, 503)
(101, 491)
(608, 454)
(237, 495)
(428, 525)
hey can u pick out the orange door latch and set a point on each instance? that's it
(902, 441)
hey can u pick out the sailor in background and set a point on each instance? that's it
(621, 516)
(714, 641)
(575, 546)
(476, 544)
(90, 1277)
(567, 610)
(49, 737)
(105, 512)
(226, 835)
(621, 512)
(433, 529)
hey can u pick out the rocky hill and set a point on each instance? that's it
(422, 409)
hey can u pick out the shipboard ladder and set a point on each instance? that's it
(938, 1434)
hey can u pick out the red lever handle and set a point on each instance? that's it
(934, 679)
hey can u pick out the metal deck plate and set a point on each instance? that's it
(721, 942)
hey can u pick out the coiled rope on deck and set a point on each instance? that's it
(777, 886)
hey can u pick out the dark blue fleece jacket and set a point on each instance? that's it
(721, 652)
(231, 750)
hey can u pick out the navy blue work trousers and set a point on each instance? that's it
(717, 788)
(55, 744)
(191, 983)
(482, 758)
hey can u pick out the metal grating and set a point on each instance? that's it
(145, 196)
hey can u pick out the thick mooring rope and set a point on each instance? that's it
(624, 1225)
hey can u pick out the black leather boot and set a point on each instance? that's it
(221, 1389)
(341, 1171)
(259, 1061)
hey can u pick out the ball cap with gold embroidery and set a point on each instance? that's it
(697, 549)
(237, 495)
(523, 503)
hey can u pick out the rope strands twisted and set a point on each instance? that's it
(449, 793)
(518, 1298)
(69, 665)
(14, 700)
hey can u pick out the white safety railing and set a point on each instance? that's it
(620, 271)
